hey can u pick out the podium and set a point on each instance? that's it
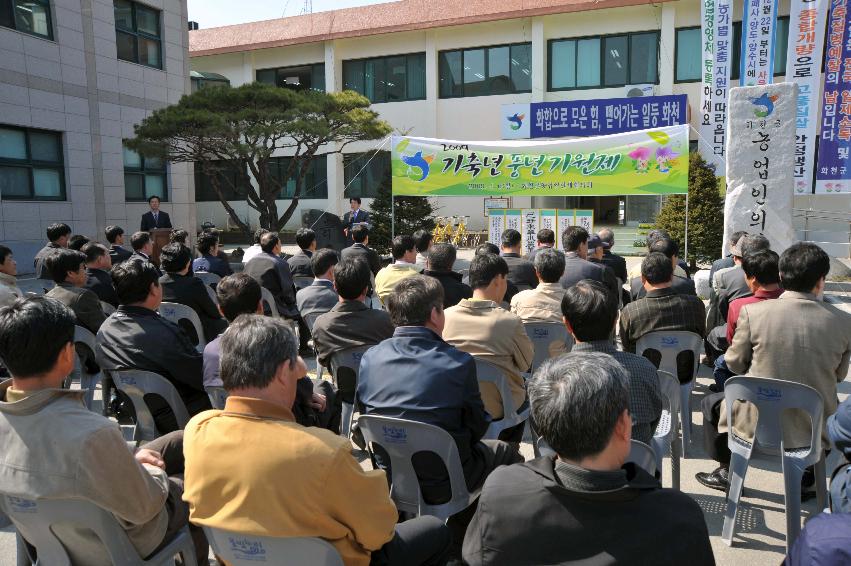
(160, 239)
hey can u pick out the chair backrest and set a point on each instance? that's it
(136, 384)
(669, 385)
(669, 344)
(542, 335)
(310, 319)
(237, 549)
(108, 309)
(208, 278)
(269, 300)
(217, 395)
(772, 398)
(345, 366)
(642, 456)
(176, 312)
(84, 336)
(212, 294)
(301, 282)
(486, 372)
(401, 439)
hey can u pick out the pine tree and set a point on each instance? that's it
(412, 214)
(705, 214)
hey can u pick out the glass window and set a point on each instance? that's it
(501, 69)
(643, 58)
(137, 33)
(365, 173)
(297, 78)
(521, 67)
(563, 64)
(688, 55)
(28, 16)
(231, 182)
(143, 177)
(588, 62)
(607, 61)
(315, 182)
(615, 70)
(450, 73)
(474, 72)
(387, 79)
(416, 76)
(397, 78)
(781, 36)
(374, 80)
(31, 165)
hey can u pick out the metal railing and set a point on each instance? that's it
(805, 216)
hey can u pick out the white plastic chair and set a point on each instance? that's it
(301, 282)
(772, 398)
(176, 312)
(239, 549)
(345, 365)
(87, 381)
(310, 320)
(269, 299)
(136, 384)
(108, 309)
(642, 456)
(486, 372)
(217, 395)
(401, 439)
(542, 335)
(669, 344)
(208, 278)
(35, 518)
(666, 439)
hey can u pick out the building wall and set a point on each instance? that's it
(76, 85)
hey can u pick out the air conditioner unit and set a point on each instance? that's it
(638, 91)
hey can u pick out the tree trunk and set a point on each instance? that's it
(214, 180)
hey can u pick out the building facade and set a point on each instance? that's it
(75, 77)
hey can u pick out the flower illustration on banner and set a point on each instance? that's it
(800, 186)
(516, 121)
(641, 156)
(665, 158)
(764, 105)
(418, 161)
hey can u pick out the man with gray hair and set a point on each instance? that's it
(615, 262)
(543, 303)
(586, 501)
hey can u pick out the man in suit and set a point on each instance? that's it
(154, 218)
(680, 285)
(319, 297)
(273, 273)
(424, 240)
(115, 237)
(143, 247)
(98, 280)
(613, 261)
(726, 261)
(354, 216)
(58, 235)
(9, 290)
(68, 268)
(798, 338)
(137, 337)
(521, 272)
(439, 264)
(404, 252)
(576, 266)
(180, 286)
(546, 238)
(210, 261)
(300, 262)
(652, 236)
(361, 249)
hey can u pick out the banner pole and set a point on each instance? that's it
(392, 216)
(686, 245)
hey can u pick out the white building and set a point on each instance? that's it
(75, 77)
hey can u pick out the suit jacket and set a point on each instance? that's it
(720, 264)
(796, 338)
(729, 284)
(680, 286)
(349, 324)
(148, 222)
(520, 271)
(661, 309)
(273, 273)
(349, 218)
(212, 264)
(483, 328)
(84, 303)
(616, 263)
(119, 254)
(300, 264)
(100, 283)
(453, 289)
(139, 256)
(317, 298)
(368, 254)
(530, 257)
(41, 271)
(576, 269)
(190, 291)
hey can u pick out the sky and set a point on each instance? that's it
(216, 13)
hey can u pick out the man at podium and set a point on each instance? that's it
(155, 218)
(355, 216)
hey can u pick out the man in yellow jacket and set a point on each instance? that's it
(251, 469)
(404, 250)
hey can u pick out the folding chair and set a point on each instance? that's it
(642, 456)
(217, 395)
(301, 282)
(486, 372)
(136, 384)
(87, 380)
(669, 344)
(269, 300)
(210, 279)
(35, 520)
(108, 309)
(401, 439)
(345, 367)
(666, 439)
(772, 398)
(310, 320)
(542, 335)
(239, 549)
(176, 312)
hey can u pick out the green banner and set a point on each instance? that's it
(647, 162)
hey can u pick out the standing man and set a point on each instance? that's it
(354, 216)
(155, 218)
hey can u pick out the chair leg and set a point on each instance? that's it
(738, 470)
(685, 415)
(792, 473)
(821, 483)
(346, 419)
(675, 449)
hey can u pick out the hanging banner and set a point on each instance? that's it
(514, 219)
(833, 174)
(716, 34)
(496, 225)
(534, 219)
(548, 220)
(758, 42)
(585, 218)
(760, 149)
(530, 229)
(635, 163)
(803, 66)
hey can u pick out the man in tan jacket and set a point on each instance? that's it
(798, 338)
(404, 249)
(480, 327)
(543, 303)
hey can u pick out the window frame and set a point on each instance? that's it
(316, 163)
(677, 50)
(14, 24)
(143, 172)
(201, 178)
(602, 40)
(136, 34)
(349, 157)
(384, 59)
(485, 50)
(311, 66)
(30, 164)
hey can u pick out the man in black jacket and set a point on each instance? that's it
(58, 235)
(300, 262)
(115, 237)
(273, 273)
(577, 267)
(584, 504)
(680, 285)
(98, 264)
(143, 248)
(360, 234)
(614, 262)
(441, 258)
(521, 272)
(154, 218)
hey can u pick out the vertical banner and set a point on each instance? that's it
(757, 61)
(761, 150)
(547, 219)
(833, 174)
(803, 66)
(716, 37)
(496, 225)
(530, 229)
(585, 218)
(708, 23)
(514, 219)
(565, 218)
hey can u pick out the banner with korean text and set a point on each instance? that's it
(534, 219)
(647, 162)
(759, 19)
(833, 173)
(803, 66)
(761, 153)
(716, 40)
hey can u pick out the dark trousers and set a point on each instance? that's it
(423, 541)
(721, 373)
(715, 343)
(714, 442)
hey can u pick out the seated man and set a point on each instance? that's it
(89, 460)
(9, 291)
(255, 249)
(662, 309)
(143, 247)
(300, 262)
(545, 238)
(179, 286)
(137, 337)
(98, 280)
(586, 505)
(424, 240)
(115, 238)
(652, 236)
(360, 248)
(77, 241)
(439, 264)
(680, 285)
(210, 262)
(319, 297)
(613, 261)
(233, 457)
(576, 265)
(543, 303)
(480, 327)
(404, 250)
(521, 272)
(590, 313)
(797, 338)
(68, 269)
(58, 235)
(511, 289)
(726, 261)
(273, 273)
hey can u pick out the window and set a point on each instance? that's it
(606, 61)
(144, 177)
(201, 80)
(315, 182)
(365, 173)
(231, 182)
(137, 33)
(297, 78)
(31, 164)
(28, 16)
(689, 55)
(483, 71)
(387, 79)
